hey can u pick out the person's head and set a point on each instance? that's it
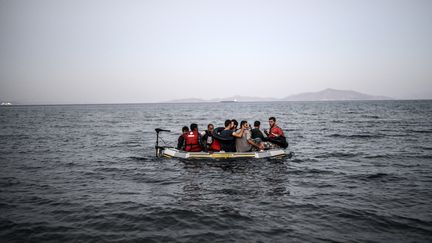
(228, 124)
(257, 124)
(210, 127)
(244, 124)
(194, 127)
(234, 124)
(185, 129)
(272, 121)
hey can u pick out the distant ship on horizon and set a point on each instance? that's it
(6, 103)
(228, 101)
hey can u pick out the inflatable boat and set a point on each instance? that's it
(174, 153)
(170, 152)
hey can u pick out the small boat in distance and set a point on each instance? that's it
(228, 101)
(6, 103)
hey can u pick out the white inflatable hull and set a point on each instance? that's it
(174, 153)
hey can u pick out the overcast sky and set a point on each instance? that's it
(54, 51)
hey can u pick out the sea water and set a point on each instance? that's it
(362, 172)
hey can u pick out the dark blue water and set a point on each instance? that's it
(362, 173)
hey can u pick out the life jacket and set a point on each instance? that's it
(192, 143)
(215, 146)
(278, 140)
(276, 130)
(210, 142)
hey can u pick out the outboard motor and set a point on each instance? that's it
(158, 148)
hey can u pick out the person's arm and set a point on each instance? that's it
(239, 134)
(252, 142)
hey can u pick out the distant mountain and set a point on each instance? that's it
(236, 98)
(188, 100)
(333, 94)
(327, 94)
(245, 99)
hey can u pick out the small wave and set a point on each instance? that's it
(297, 160)
(419, 131)
(377, 175)
(384, 177)
(302, 160)
(141, 158)
(394, 156)
(326, 186)
(6, 224)
(108, 169)
(424, 156)
(5, 206)
(338, 155)
(387, 222)
(230, 191)
(8, 181)
(311, 171)
(371, 116)
(379, 156)
(353, 136)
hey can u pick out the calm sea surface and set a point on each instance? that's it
(362, 172)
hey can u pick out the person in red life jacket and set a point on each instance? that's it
(209, 142)
(181, 139)
(275, 134)
(193, 139)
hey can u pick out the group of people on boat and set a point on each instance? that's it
(232, 138)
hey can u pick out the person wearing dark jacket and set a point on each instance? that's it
(181, 139)
(256, 132)
(226, 136)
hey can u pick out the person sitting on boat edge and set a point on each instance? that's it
(256, 132)
(259, 137)
(275, 134)
(210, 144)
(226, 136)
(193, 141)
(181, 138)
(245, 143)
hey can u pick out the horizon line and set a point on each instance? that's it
(201, 102)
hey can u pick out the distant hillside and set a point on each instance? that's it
(333, 94)
(245, 99)
(236, 98)
(327, 94)
(187, 100)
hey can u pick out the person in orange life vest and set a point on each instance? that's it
(193, 142)
(181, 139)
(275, 134)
